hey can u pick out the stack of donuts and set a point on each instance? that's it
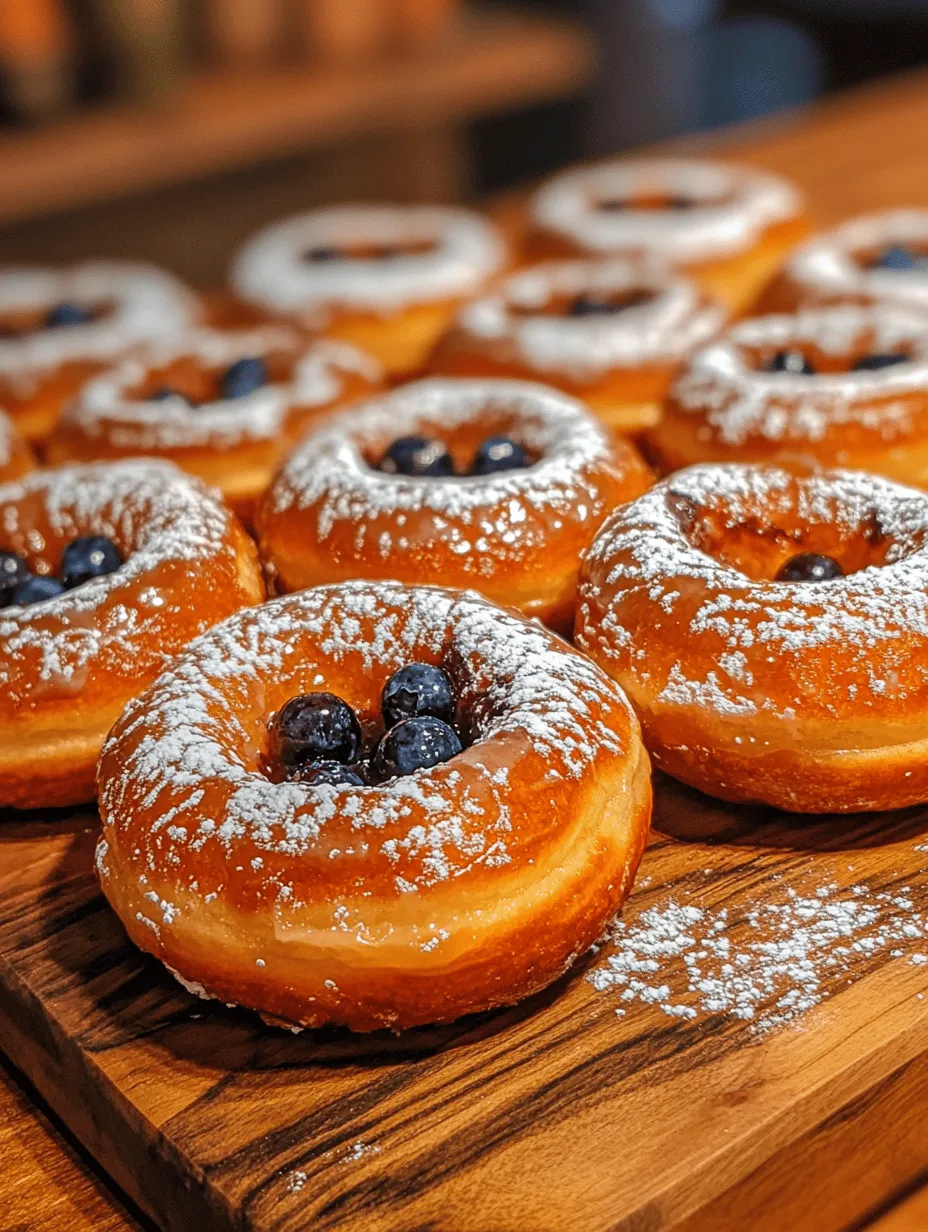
(363, 593)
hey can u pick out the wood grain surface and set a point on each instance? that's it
(558, 1114)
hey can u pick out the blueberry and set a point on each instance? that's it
(322, 254)
(163, 392)
(680, 203)
(896, 258)
(34, 589)
(809, 567)
(414, 744)
(590, 304)
(415, 455)
(612, 205)
(316, 727)
(244, 377)
(874, 363)
(416, 690)
(498, 453)
(13, 570)
(88, 557)
(67, 314)
(315, 772)
(793, 362)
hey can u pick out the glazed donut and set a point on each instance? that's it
(15, 455)
(241, 400)
(388, 279)
(880, 258)
(824, 387)
(728, 226)
(175, 562)
(771, 631)
(444, 890)
(516, 534)
(610, 332)
(60, 326)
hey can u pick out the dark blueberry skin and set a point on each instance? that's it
(875, 363)
(415, 455)
(809, 567)
(498, 453)
(34, 589)
(314, 773)
(414, 744)
(67, 314)
(896, 258)
(13, 570)
(163, 392)
(415, 690)
(244, 377)
(590, 304)
(790, 361)
(319, 255)
(316, 727)
(88, 557)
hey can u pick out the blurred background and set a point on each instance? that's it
(170, 129)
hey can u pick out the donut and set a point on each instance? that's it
(226, 406)
(879, 258)
(771, 631)
(728, 226)
(496, 485)
(15, 455)
(60, 326)
(611, 332)
(837, 386)
(388, 279)
(106, 571)
(441, 886)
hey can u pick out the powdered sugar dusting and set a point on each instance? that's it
(104, 409)
(732, 207)
(664, 328)
(767, 965)
(738, 402)
(271, 270)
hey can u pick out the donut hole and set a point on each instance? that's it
(198, 382)
(759, 546)
(655, 201)
(462, 440)
(807, 357)
(23, 322)
(321, 254)
(591, 301)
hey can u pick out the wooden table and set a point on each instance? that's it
(861, 151)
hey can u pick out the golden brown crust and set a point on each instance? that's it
(810, 697)
(515, 536)
(68, 665)
(449, 891)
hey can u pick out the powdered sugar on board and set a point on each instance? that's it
(766, 962)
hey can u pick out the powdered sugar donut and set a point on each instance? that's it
(516, 535)
(15, 455)
(878, 258)
(226, 406)
(387, 278)
(611, 332)
(440, 892)
(59, 326)
(68, 664)
(863, 402)
(728, 225)
(771, 632)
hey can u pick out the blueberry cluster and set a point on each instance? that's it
(809, 567)
(246, 376)
(317, 738)
(84, 558)
(425, 457)
(798, 364)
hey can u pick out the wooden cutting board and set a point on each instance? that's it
(678, 1111)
